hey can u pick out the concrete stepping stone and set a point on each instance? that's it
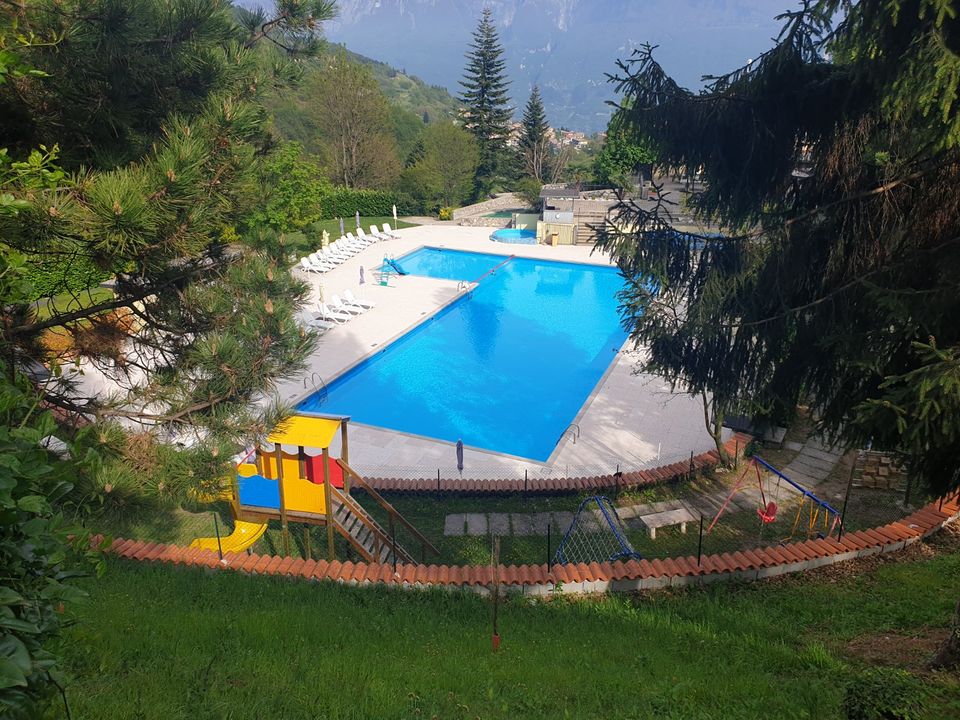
(588, 522)
(627, 513)
(562, 520)
(656, 507)
(825, 455)
(522, 525)
(541, 521)
(499, 523)
(476, 524)
(453, 525)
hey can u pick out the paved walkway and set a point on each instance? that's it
(814, 462)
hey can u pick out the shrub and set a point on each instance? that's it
(446, 213)
(884, 694)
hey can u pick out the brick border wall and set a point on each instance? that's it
(574, 578)
(638, 478)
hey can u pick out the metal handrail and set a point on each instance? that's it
(392, 512)
(571, 428)
(322, 389)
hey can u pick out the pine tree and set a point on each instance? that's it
(487, 113)
(535, 138)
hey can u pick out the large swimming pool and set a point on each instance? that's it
(505, 368)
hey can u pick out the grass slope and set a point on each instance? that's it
(159, 642)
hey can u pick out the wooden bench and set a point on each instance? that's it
(667, 518)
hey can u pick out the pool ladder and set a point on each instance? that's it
(321, 389)
(574, 430)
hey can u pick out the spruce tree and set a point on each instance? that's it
(535, 138)
(487, 113)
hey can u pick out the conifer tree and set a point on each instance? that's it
(487, 113)
(535, 138)
(201, 319)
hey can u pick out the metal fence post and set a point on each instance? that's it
(438, 482)
(700, 541)
(525, 474)
(549, 549)
(216, 528)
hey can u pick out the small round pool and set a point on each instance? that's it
(515, 235)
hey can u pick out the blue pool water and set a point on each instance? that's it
(448, 264)
(506, 368)
(515, 235)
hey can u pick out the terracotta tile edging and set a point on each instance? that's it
(627, 479)
(572, 579)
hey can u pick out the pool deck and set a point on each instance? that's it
(631, 420)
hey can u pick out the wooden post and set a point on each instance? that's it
(307, 542)
(328, 502)
(284, 534)
(345, 454)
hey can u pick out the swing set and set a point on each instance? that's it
(819, 512)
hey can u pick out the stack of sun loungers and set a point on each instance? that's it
(327, 258)
(339, 309)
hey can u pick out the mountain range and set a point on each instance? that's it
(565, 46)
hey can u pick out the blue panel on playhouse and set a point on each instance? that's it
(259, 491)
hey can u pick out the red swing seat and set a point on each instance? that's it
(769, 513)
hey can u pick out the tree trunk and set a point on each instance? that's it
(713, 421)
(948, 656)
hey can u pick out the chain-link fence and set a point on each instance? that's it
(708, 512)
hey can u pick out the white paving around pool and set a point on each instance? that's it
(630, 420)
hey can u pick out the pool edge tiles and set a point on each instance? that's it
(505, 366)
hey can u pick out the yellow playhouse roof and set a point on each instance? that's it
(306, 431)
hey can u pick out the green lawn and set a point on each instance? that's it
(66, 302)
(168, 643)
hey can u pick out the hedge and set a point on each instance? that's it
(345, 202)
(65, 274)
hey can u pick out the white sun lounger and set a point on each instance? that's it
(367, 240)
(339, 305)
(389, 232)
(320, 262)
(308, 266)
(349, 299)
(335, 315)
(375, 232)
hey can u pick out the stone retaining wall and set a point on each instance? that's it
(481, 221)
(877, 470)
(503, 201)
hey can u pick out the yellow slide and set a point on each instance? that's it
(244, 535)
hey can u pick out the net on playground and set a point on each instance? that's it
(595, 535)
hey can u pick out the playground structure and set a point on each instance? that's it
(596, 534)
(819, 512)
(293, 478)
